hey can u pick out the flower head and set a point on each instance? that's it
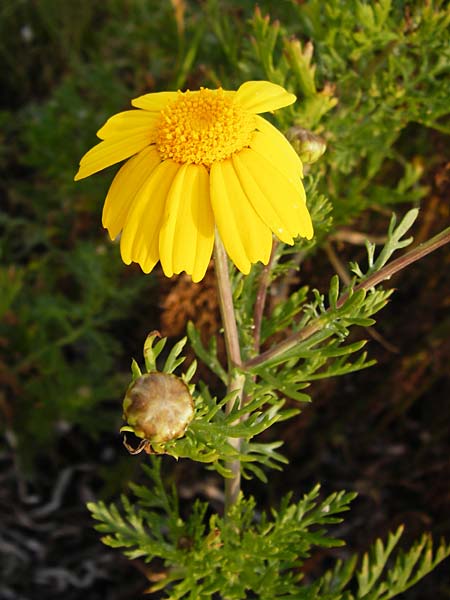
(198, 161)
(158, 407)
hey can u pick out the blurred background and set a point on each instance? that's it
(72, 315)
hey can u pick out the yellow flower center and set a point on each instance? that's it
(203, 127)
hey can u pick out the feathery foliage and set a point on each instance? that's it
(251, 553)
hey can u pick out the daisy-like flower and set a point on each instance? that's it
(197, 161)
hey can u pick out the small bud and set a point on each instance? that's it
(308, 145)
(158, 407)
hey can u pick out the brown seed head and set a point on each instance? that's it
(158, 406)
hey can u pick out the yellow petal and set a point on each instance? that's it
(278, 146)
(245, 237)
(127, 121)
(112, 151)
(139, 241)
(187, 232)
(277, 201)
(154, 102)
(263, 96)
(279, 159)
(203, 216)
(126, 184)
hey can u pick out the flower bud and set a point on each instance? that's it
(308, 145)
(158, 407)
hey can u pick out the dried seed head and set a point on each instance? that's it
(158, 407)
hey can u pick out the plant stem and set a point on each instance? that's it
(385, 273)
(261, 297)
(235, 378)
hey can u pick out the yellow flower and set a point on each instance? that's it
(199, 161)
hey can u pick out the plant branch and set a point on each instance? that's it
(398, 264)
(346, 278)
(236, 379)
(385, 273)
(261, 298)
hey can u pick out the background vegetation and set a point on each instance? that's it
(375, 83)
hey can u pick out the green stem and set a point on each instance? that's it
(385, 273)
(235, 378)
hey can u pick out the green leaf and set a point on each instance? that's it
(152, 350)
(208, 356)
(135, 370)
(374, 563)
(174, 359)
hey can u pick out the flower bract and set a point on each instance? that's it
(198, 161)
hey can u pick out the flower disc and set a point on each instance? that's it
(203, 127)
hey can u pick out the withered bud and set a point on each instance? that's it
(308, 145)
(158, 407)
